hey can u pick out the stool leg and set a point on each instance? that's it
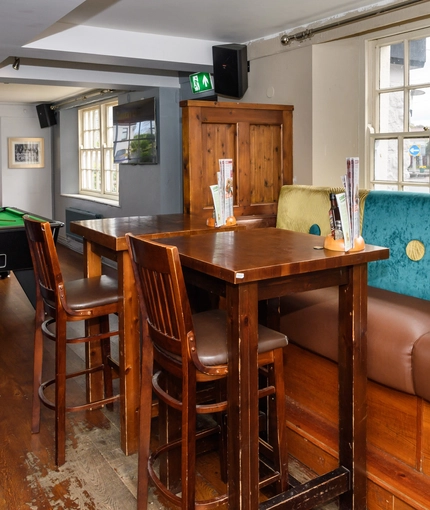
(277, 419)
(189, 417)
(37, 368)
(145, 420)
(221, 419)
(60, 393)
(107, 370)
(172, 430)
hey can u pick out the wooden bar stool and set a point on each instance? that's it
(188, 351)
(57, 304)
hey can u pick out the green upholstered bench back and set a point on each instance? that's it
(305, 208)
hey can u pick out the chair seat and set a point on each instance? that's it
(211, 337)
(91, 292)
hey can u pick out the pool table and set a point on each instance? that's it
(14, 251)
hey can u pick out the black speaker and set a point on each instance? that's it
(230, 70)
(46, 115)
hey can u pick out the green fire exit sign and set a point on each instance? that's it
(200, 82)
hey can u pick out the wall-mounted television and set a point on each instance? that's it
(135, 133)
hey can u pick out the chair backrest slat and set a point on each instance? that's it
(162, 292)
(45, 259)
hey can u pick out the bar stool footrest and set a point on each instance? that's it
(312, 493)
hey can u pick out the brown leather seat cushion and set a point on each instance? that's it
(398, 334)
(211, 337)
(91, 292)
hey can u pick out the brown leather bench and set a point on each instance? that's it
(398, 332)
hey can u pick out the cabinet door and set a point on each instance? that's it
(258, 138)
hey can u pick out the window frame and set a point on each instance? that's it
(373, 132)
(103, 151)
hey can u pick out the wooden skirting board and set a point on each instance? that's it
(398, 452)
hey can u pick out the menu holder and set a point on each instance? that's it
(339, 245)
(231, 220)
(345, 208)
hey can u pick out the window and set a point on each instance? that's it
(400, 133)
(98, 173)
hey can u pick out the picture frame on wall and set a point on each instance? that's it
(26, 152)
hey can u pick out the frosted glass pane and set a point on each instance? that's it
(391, 112)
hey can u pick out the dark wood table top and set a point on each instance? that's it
(264, 253)
(110, 232)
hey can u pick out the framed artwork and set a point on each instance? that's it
(26, 153)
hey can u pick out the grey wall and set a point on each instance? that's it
(143, 189)
(29, 189)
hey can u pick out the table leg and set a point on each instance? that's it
(242, 391)
(353, 385)
(93, 356)
(129, 348)
(129, 354)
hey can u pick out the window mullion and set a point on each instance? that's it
(406, 87)
(94, 150)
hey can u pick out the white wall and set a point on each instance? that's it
(338, 126)
(325, 84)
(29, 189)
(286, 78)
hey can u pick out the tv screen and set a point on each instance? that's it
(135, 133)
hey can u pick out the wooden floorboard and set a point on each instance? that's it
(96, 475)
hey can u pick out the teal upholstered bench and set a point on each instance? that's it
(400, 221)
(399, 288)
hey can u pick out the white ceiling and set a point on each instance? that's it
(68, 46)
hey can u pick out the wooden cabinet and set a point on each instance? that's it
(258, 137)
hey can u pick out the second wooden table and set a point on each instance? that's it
(106, 238)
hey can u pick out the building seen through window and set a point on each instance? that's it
(400, 130)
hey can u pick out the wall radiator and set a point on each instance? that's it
(73, 214)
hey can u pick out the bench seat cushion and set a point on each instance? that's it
(398, 334)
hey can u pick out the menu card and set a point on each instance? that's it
(222, 192)
(348, 203)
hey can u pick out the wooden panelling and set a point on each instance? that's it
(218, 142)
(316, 389)
(392, 422)
(398, 451)
(378, 498)
(310, 454)
(401, 505)
(426, 439)
(265, 163)
(259, 140)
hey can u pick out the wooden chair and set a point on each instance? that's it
(57, 304)
(191, 349)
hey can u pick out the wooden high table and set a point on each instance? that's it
(106, 238)
(262, 264)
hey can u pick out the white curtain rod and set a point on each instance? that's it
(306, 34)
(90, 97)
